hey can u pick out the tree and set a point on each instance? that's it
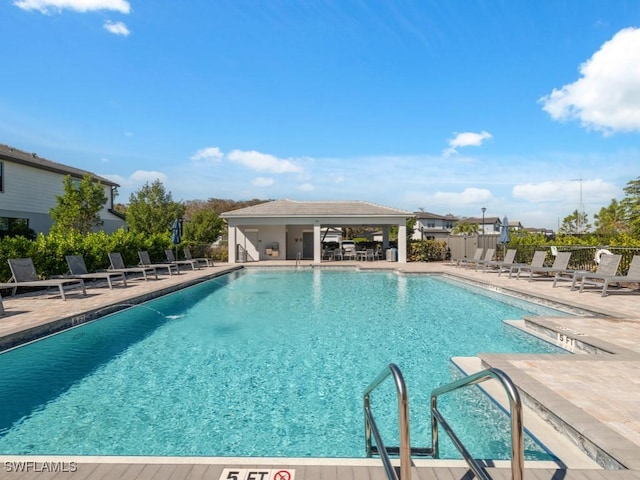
(203, 227)
(611, 220)
(575, 223)
(152, 210)
(465, 228)
(631, 205)
(78, 209)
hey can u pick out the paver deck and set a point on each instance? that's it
(593, 398)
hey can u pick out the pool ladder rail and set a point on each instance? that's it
(404, 451)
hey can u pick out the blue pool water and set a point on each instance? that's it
(261, 363)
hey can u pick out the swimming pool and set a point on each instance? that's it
(260, 363)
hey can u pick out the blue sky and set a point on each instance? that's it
(522, 107)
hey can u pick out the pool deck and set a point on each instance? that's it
(592, 397)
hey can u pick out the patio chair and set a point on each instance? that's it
(23, 274)
(632, 276)
(464, 260)
(488, 257)
(1, 306)
(537, 262)
(201, 260)
(145, 261)
(501, 265)
(172, 259)
(608, 266)
(117, 265)
(78, 269)
(559, 265)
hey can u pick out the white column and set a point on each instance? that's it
(231, 245)
(402, 243)
(317, 243)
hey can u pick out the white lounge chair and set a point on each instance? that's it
(23, 274)
(78, 269)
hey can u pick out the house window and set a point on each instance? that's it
(13, 226)
(431, 224)
(1, 177)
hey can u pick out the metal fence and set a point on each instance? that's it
(582, 257)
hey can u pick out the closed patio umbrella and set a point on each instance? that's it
(176, 234)
(505, 237)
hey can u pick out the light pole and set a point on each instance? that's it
(484, 209)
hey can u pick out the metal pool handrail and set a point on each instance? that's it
(515, 405)
(403, 413)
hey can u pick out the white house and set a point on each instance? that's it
(430, 226)
(288, 230)
(28, 188)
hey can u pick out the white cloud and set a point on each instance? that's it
(594, 191)
(135, 180)
(306, 187)
(209, 154)
(466, 139)
(117, 28)
(263, 162)
(607, 96)
(262, 182)
(469, 196)
(143, 176)
(48, 6)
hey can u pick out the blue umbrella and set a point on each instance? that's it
(505, 237)
(176, 232)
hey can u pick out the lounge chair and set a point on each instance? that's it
(632, 276)
(463, 261)
(172, 259)
(1, 306)
(117, 265)
(559, 265)
(608, 266)
(78, 269)
(537, 262)
(488, 257)
(501, 265)
(202, 260)
(145, 261)
(24, 275)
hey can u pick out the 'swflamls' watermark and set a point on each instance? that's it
(30, 466)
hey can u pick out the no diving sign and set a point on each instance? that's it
(257, 474)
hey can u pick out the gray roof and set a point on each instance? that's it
(434, 216)
(292, 208)
(11, 154)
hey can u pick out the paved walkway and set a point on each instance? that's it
(593, 398)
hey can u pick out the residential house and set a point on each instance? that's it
(430, 226)
(486, 225)
(28, 188)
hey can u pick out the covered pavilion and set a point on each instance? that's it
(290, 230)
